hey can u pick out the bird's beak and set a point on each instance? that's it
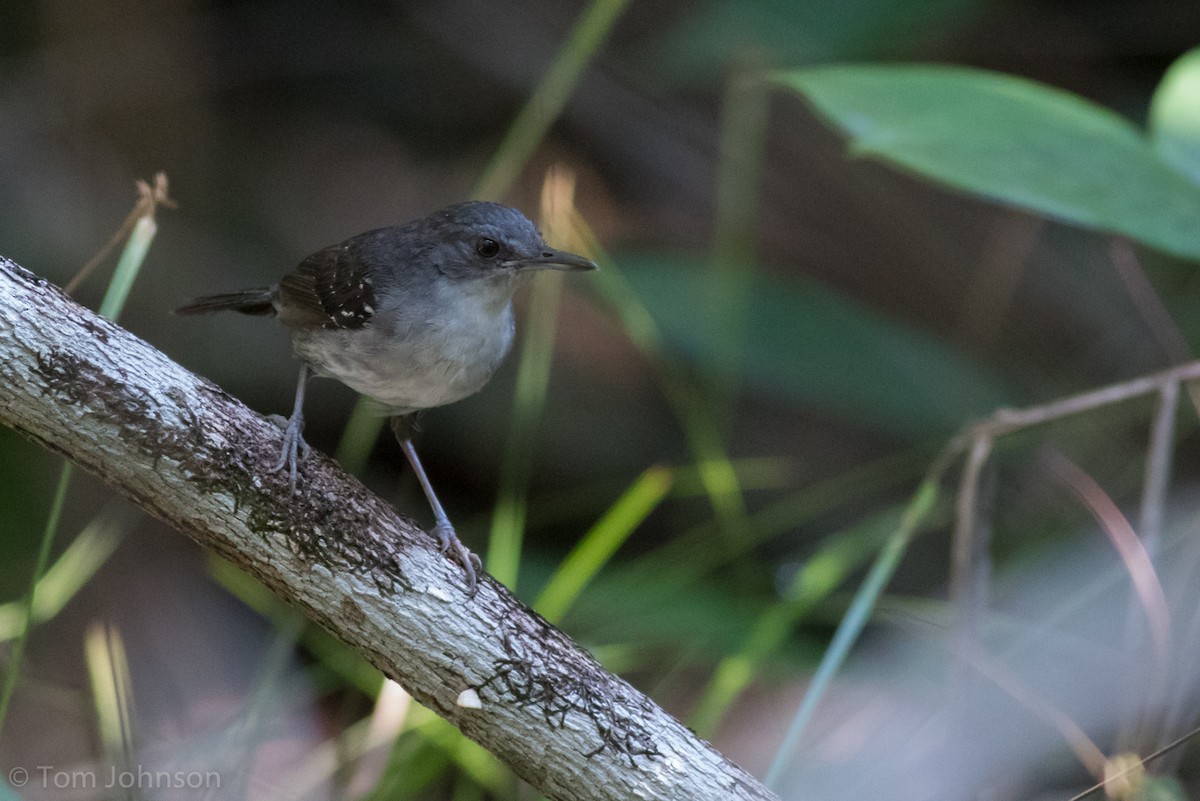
(551, 259)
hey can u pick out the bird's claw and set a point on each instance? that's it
(448, 541)
(295, 449)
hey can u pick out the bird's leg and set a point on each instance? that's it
(295, 449)
(443, 530)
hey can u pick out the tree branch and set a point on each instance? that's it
(190, 454)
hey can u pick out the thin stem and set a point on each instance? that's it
(1146, 585)
(823, 572)
(968, 576)
(1008, 420)
(1086, 751)
(997, 275)
(150, 197)
(1147, 301)
(1145, 701)
(1140, 763)
(1158, 466)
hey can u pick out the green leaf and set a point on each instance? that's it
(1014, 141)
(1175, 116)
(822, 350)
(710, 34)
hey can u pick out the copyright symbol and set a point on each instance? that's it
(17, 777)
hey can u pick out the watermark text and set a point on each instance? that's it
(130, 777)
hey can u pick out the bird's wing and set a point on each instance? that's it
(330, 289)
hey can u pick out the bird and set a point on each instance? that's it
(412, 316)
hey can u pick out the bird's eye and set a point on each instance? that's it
(487, 248)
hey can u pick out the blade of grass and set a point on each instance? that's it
(533, 378)
(338, 665)
(744, 108)
(359, 436)
(267, 694)
(689, 558)
(108, 670)
(321, 764)
(548, 98)
(386, 723)
(820, 575)
(919, 508)
(149, 197)
(71, 571)
(27, 605)
(565, 506)
(364, 743)
(744, 111)
(128, 266)
(602, 541)
(700, 426)
(533, 381)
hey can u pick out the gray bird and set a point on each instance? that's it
(413, 316)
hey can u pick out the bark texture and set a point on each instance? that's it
(188, 453)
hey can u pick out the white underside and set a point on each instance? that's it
(410, 365)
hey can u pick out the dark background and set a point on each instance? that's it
(288, 126)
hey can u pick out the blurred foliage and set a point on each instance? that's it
(1175, 116)
(598, 545)
(821, 350)
(719, 32)
(23, 471)
(1032, 146)
(761, 288)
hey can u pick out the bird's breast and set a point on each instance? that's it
(409, 365)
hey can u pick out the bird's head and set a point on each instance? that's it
(478, 239)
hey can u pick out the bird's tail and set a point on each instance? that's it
(248, 301)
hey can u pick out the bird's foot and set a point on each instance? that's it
(295, 449)
(448, 541)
